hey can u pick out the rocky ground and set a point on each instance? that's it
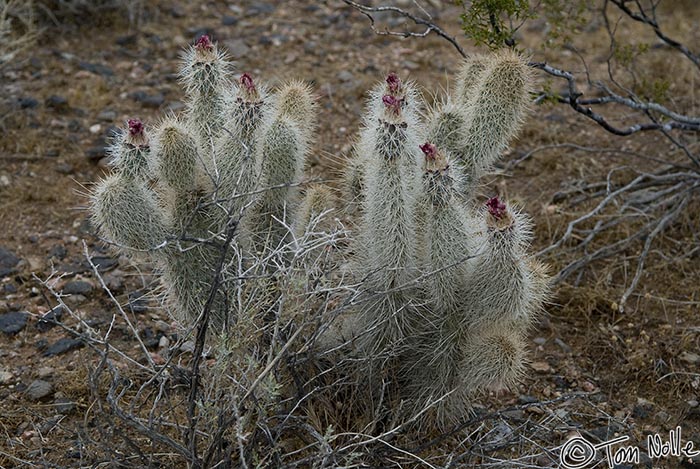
(638, 372)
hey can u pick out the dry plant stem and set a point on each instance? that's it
(119, 308)
(430, 26)
(103, 348)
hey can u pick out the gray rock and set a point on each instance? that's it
(137, 302)
(64, 168)
(39, 389)
(107, 115)
(237, 48)
(28, 102)
(6, 377)
(8, 261)
(345, 76)
(97, 69)
(148, 100)
(50, 319)
(62, 404)
(62, 346)
(229, 21)
(104, 263)
(45, 372)
(690, 358)
(58, 103)
(525, 399)
(77, 287)
(258, 8)
(58, 251)
(96, 152)
(13, 322)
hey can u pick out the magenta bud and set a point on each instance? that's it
(135, 127)
(392, 102)
(204, 43)
(429, 150)
(394, 82)
(247, 81)
(496, 208)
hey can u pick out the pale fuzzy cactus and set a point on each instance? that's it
(493, 358)
(446, 233)
(205, 77)
(485, 111)
(389, 147)
(496, 109)
(131, 149)
(282, 149)
(127, 213)
(125, 209)
(503, 286)
(468, 290)
(232, 163)
(315, 213)
(447, 292)
(236, 148)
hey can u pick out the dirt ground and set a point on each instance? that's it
(638, 371)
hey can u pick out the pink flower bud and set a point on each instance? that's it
(135, 127)
(429, 150)
(394, 82)
(204, 43)
(496, 208)
(247, 81)
(392, 103)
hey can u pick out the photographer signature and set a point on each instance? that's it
(578, 453)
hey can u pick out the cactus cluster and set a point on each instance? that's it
(230, 166)
(448, 289)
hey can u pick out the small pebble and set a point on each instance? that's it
(77, 287)
(62, 346)
(39, 389)
(12, 323)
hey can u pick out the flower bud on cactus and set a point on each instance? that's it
(131, 150)
(205, 76)
(503, 288)
(445, 234)
(484, 113)
(239, 167)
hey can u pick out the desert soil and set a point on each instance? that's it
(638, 371)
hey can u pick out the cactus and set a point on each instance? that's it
(389, 148)
(232, 162)
(469, 292)
(448, 291)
